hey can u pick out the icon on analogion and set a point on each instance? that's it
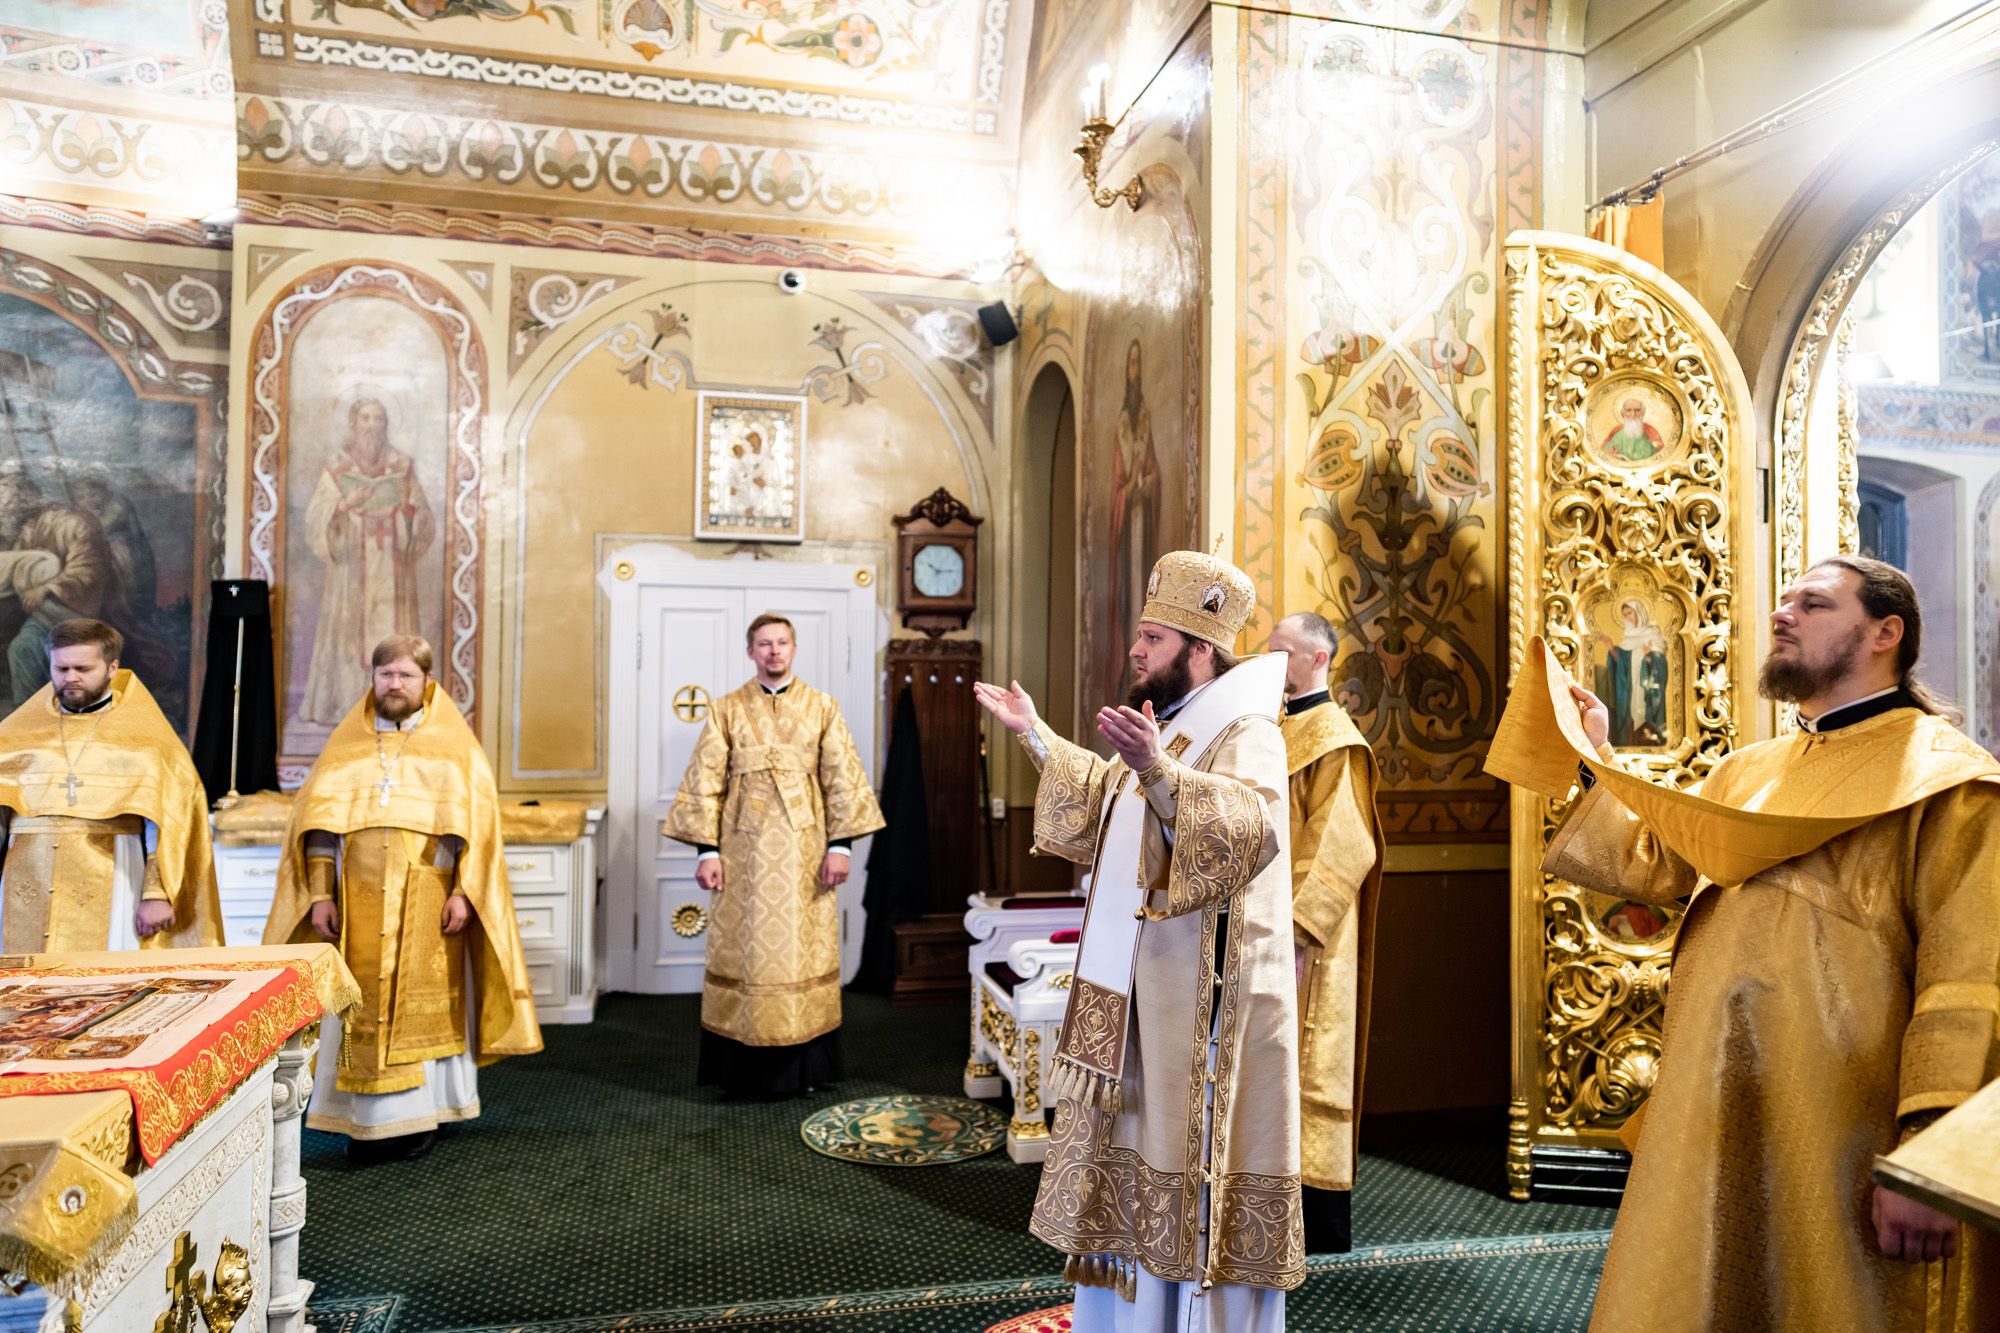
(1635, 421)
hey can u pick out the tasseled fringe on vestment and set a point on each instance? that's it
(1103, 1270)
(1092, 1087)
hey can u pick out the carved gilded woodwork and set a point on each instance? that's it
(1629, 496)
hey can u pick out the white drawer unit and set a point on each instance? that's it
(555, 907)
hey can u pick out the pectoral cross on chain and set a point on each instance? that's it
(71, 784)
(382, 790)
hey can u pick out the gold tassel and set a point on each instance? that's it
(1103, 1270)
(1071, 1081)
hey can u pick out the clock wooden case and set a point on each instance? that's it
(937, 565)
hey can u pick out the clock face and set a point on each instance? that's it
(938, 571)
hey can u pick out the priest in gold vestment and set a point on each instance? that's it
(774, 795)
(1172, 1180)
(103, 818)
(393, 852)
(1835, 982)
(1336, 876)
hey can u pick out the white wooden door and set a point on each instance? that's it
(677, 628)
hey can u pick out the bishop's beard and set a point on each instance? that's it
(1166, 686)
(1792, 680)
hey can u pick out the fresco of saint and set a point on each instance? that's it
(370, 524)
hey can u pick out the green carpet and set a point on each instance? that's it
(601, 1190)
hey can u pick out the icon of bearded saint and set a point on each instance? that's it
(1634, 438)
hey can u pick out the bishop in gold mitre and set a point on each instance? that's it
(774, 795)
(1172, 1178)
(393, 852)
(1835, 982)
(103, 816)
(1336, 877)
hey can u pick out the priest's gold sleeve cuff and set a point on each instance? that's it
(1948, 1048)
(320, 878)
(151, 890)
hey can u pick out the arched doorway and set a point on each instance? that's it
(1887, 439)
(1043, 568)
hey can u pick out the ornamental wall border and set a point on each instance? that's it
(326, 213)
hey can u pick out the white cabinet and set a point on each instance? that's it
(555, 906)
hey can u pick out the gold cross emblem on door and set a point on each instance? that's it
(690, 703)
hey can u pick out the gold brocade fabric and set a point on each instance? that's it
(1814, 1006)
(412, 974)
(68, 1198)
(442, 787)
(543, 822)
(128, 764)
(1128, 1183)
(259, 820)
(1337, 847)
(771, 780)
(61, 875)
(1730, 832)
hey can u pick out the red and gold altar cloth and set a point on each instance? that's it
(177, 1034)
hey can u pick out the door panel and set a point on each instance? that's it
(685, 647)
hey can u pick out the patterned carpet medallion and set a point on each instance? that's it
(1052, 1320)
(905, 1130)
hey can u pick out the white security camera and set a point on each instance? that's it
(791, 282)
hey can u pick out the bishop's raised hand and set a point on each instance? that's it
(1012, 706)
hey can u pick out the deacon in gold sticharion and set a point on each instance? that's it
(773, 795)
(1172, 1180)
(102, 814)
(1336, 873)
(393, 853)
(1835, 980)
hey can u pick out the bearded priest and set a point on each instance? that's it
(1834, 984)
(393, 853)
(1172, 1180)
(1337, 848)
(774, 795)
(102, 816)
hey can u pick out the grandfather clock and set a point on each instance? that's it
(937, 592)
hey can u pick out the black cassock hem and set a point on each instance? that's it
(1329, 1220)
(768, 1071)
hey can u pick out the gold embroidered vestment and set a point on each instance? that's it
(1123, 1181)
(392, 895)
(1336, 848)
(1819, 1009)
(130, 766)
(772, 778)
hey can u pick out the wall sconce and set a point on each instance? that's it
(1096, 132)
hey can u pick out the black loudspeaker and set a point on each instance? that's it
(998, 325)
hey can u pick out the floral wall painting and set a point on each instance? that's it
(367, 424)
(1635, 421)
(748, 459)
(1632, 659)
(99, 501)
